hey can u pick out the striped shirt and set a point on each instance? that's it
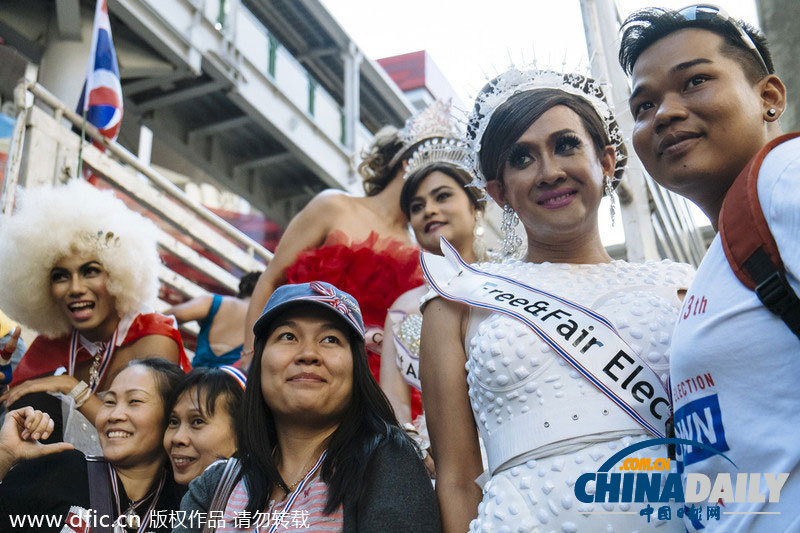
(306, 513)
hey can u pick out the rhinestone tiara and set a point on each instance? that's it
(435, 120)
(455, 152)
(101, 239)
(514, 81)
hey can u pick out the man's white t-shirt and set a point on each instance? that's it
(735, 368)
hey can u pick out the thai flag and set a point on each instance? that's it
(101, 98)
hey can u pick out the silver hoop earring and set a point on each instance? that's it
(511, 241)
(612, 197)
(772, 112)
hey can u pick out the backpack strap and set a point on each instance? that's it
(100, 499)
(749, 246)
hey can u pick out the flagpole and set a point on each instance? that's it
(88, 82)
(107, 86)
(80, 146)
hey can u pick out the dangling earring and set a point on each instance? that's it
(612, 196)
(478, 242)
(511, 241)
(771, 112)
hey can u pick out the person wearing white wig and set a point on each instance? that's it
(81, 268)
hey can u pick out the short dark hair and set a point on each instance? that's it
(645, 27)
(167, 374)
(516, 115)
(415, 179)
(367, 422)
(211, 383)
(247, 283)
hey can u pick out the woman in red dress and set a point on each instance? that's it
(359, 244)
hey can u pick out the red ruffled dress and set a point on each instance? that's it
(375, 272)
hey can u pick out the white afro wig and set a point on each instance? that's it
(54, 222)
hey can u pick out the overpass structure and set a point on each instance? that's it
(269, 99)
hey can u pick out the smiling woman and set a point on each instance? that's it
(54, 480)
(545, 146)
(82, 271)
(438, 202)
(317, 438)
(78, 283)
(200, 428)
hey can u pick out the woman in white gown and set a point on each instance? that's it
(547, 148)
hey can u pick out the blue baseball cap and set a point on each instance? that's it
(315, 292)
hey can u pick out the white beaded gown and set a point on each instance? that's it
(542, 423)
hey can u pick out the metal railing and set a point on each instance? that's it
(155, 177)
(44, 149)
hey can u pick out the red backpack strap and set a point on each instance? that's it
(749, 246)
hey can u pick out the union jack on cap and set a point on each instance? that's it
(318, 292)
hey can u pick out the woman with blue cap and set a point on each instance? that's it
(319, 445)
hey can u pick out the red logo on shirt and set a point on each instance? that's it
(694, 306)
(692, 385)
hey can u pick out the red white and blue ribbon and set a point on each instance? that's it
(297, 491)
(599, 354)
(105, 359)
(145, 520)
(236, 374)
(329, 296)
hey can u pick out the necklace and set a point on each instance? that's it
(94, 371)
(290, 488)
(293, 497)
(101, 360)
(294, 485)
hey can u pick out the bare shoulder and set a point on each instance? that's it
(332, 199)
(409, 301)
(441, 313)
(438, 306)
(154, 346)
(313, 223)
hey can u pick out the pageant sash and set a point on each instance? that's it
(585, 339)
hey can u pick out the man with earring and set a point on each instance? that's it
(706, 106)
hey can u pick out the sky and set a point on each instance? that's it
(473, 40)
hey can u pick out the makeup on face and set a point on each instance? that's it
(441, 207)
(553, 177)
(78, 284)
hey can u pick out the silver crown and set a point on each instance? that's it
(452, 151)
(514, 81)
(434, 121)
